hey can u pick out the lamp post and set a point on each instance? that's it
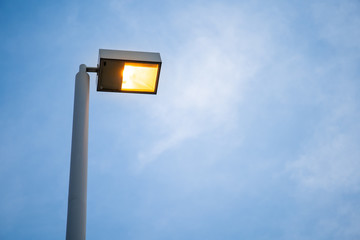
(118, 71)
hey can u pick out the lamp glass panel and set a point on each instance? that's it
(139, 77)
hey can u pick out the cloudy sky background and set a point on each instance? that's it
(254, 132)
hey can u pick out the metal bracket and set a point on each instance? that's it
(92, 69)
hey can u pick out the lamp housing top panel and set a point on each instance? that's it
(129, 56)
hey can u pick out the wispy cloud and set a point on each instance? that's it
(330, 160)
(204, 82)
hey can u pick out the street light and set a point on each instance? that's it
(118, 71)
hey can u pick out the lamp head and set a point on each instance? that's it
(128, 71)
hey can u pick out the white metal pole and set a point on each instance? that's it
(76, 216)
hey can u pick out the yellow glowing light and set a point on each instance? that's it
(139, 77)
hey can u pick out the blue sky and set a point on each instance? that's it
(254, 132)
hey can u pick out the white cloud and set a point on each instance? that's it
(203, 84)
(331, 160)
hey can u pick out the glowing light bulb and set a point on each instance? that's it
(139, 77)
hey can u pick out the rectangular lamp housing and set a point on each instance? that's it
(128, 71)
